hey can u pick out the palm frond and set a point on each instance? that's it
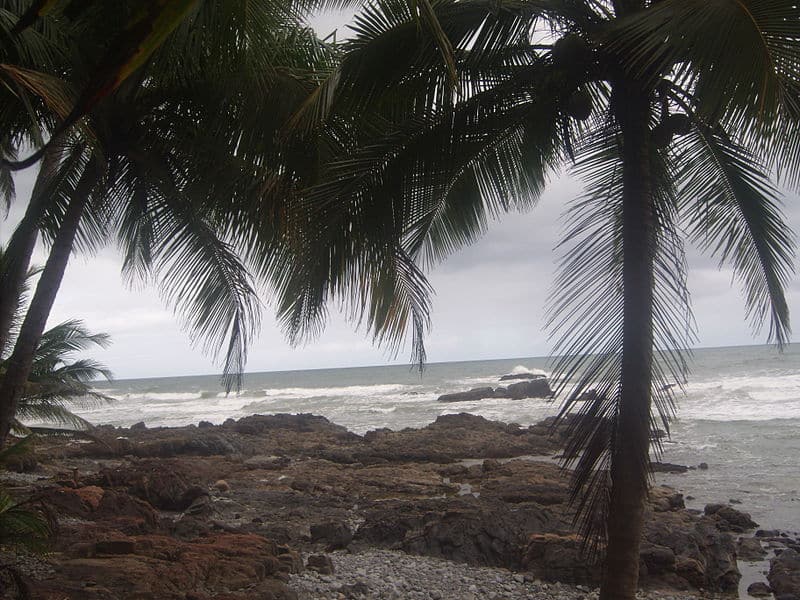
(739, 57)
(733, 211)
(585, 314)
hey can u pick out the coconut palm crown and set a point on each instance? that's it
(677, 115)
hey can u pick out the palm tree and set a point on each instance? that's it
(167, 163)
(58, 382)
(674, 113)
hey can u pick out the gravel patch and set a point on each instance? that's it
(393, 575)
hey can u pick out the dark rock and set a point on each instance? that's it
(167, 484)
(205, 425)
(659, 467)
(664, 499)
(558, 557)
(336, 535)
(355, 591)
(305, 423)
(321, 563)
(512, 376)
(733, 520)
(533, 388)
(750, 549)
(230, 566)
(115, 547)
(703, 466)
(140, 426)
(768, 533)
(269, 463)
(657, 559)
(784, 574)
(759, 589)
(473, 394)
(536, 388)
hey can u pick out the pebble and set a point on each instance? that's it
(387, 574)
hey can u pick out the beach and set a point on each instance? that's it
(297, 507)
(359, 483)
(740, 413)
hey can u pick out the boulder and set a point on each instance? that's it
(535, 388)
(784, 574)
(233, 566)
(661, 467)
(305, 423)
(759, 589)
(167, 484)
(321, 563)
(470, 395)
(730, 519)
(532, 388)
(750, 549)
(558, 557)
(336, 535)
(528, 375)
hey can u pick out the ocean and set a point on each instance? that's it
(740, 414)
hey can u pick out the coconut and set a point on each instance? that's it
(679, 124)
(579, 105)
(572, 53)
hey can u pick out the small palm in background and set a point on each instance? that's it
(57, 379)
(57, 382)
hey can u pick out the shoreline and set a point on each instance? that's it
(310, 486)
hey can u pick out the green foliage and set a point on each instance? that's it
(20, 524)
(423, 162)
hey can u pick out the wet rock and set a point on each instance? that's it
(535, 388)
(532, 388)
(729, 518)
(750, 549)
(470, 395)
(659, 467)
(140, 426)
(768, 533)
(526, 375)
(784, 574)
(703, 466)
(759, 589)
(664, 499)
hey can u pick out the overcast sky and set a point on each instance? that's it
(489, 303)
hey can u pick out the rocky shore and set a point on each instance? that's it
(296, 507)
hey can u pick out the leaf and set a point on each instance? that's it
(38, 9)
(732, 209)
(139, 39)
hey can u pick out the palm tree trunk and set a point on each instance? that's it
(630, 459)
(17, 256)
(12, 385)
